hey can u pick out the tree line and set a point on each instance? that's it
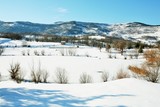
(85, 40)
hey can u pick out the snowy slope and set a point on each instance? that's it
(118, 93)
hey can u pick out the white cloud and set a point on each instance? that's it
(62, 10)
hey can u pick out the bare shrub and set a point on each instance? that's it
(45, 75)
(72, 52)
(16, 73)
(36, 52)
(105, 76)
(28, 52)
(87, 54)
(62, 51)
(61, 76)
(85, 78)
(108, 47)
(1, 50)
(38, 75)
(150, 70)
(152, 57)
(42, 52)
(131, 56)
(121, 74)
(145, 72)
(23, 52)
(20, 77)
(109, 56)
(138, 70)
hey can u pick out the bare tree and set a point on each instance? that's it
(108, 47)
(61, 76)
(120, 45)
(105, 76)
(38, 75)
(85, 78)
(72, 52)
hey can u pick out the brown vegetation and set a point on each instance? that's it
(150, 69)
(121, 74)
(120, 45)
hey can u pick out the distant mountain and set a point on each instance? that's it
(135, 30)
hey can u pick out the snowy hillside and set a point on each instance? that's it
(130, 31)
(136, 31)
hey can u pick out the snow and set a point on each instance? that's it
(136, 33)
(89, 60)
(4, 40)
(118, 93)
(97, 37)
(128, 92)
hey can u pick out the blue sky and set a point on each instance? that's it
(100, 11)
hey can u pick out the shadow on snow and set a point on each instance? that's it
(19, 97)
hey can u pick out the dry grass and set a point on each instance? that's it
(121, 74)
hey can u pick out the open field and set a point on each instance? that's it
(74, 61)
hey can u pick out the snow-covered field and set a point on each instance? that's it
(128, 92)
(117, 93)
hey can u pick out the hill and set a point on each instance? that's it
(129, 31)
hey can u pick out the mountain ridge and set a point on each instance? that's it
(136, 30)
